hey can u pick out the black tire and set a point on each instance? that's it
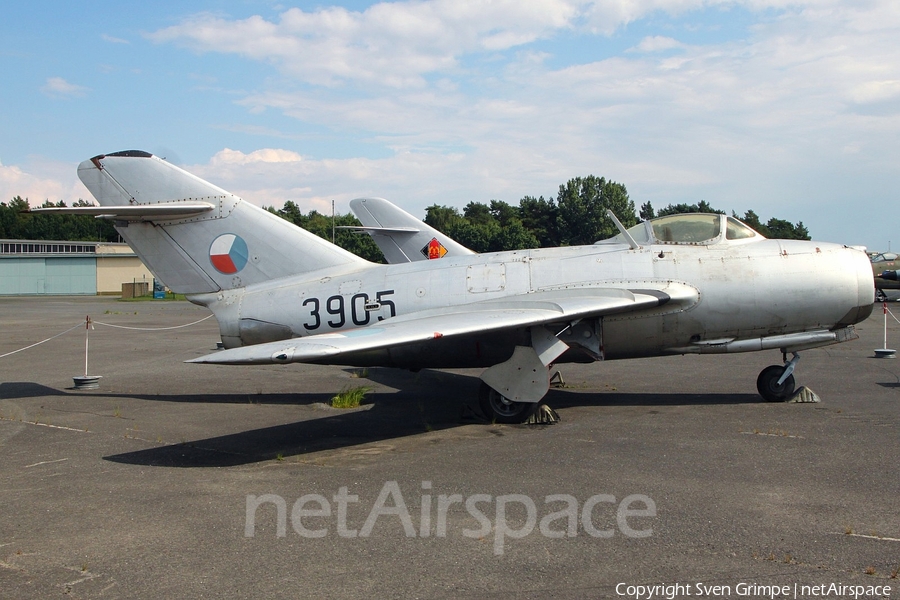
(498, 409)
(880, 296)
(767, 384)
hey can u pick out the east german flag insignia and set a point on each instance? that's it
(434, 249)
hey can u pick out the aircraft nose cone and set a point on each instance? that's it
(849, 261)
(865, 286)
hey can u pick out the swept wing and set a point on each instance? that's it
(556, 306)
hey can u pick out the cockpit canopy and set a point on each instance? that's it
(884, 257)
(697, 229)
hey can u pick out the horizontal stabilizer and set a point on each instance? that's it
(161, 211)
(379, 230)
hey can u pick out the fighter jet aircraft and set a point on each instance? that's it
(674, 285)
(884, 262)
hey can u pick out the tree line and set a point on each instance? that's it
(16, 224)
(774, 229)
(576, 216)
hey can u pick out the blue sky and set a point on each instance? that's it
(791, 109)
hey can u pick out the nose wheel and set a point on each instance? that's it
(776, 383)
(500, 409)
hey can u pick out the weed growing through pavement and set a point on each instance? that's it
(350, 397)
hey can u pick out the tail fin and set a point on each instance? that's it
(400, 236)
(196, 237)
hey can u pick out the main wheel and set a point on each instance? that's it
(500, 409)
(880, 296)
(767, 384)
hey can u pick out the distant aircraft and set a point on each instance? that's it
(400, 236)
(675, 285)
(884, 261)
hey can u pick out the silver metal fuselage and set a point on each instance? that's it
(729, 296)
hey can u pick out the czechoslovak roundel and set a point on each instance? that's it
(228, 253)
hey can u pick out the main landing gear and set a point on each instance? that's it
(499, 409)
(511, 391)
(776, 383)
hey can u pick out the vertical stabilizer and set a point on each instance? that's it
(400, 236)
(231, 244)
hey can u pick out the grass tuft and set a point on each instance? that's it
(350, 397)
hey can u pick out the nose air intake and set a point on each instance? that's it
(865, 291)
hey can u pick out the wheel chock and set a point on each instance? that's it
(803, 395)
(544, 415)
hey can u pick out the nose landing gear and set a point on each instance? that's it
(776, 383)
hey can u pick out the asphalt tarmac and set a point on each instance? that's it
(196, 481)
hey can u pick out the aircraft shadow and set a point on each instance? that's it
(25, 389)
(333, 432)
(388, 419)
(563, 398)
(427, 401)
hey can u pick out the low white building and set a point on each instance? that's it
(38, 267)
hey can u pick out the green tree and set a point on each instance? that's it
(582, 206)
(779, 229)
(315, 222)
(752, 220)
(442, 218)
(17, 223)
(504, 213)
(514, 236)
(701, 207)
(541, 218)
(477, 213)
(478, 238)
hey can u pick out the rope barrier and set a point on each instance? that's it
(151, 328)
(90, 322)
(42, 341)
(890, 313)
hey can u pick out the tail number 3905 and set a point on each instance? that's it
(337, 308)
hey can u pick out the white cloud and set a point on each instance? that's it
(113, 40)
(265, 155)
(875, 91)
(41, 179)
(57, 87)
(778, 118)
(313, 184)
(657, 43)
(392, 44)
